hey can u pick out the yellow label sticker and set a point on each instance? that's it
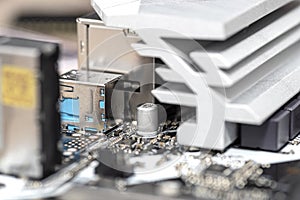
(18, 87)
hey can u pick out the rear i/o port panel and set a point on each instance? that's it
(85, 98)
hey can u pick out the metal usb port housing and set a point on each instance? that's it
(85, 100)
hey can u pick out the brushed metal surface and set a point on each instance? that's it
(221, 19)
(20, 153)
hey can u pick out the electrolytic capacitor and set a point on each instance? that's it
(147, 120)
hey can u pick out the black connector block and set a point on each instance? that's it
(271, 136)
(294, 109)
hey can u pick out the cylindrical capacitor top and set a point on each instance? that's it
(147, 120)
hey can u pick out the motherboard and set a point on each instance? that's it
(182, 99)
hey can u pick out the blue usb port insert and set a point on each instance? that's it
(102, 104)
(69, 109)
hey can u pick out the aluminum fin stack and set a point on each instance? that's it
(236, 62)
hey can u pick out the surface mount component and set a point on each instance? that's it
(29, 119)
(86, 100)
